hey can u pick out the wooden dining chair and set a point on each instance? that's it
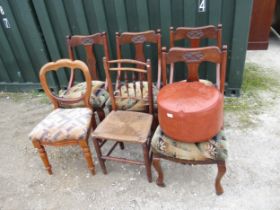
(99, 94)
(65, 126)
(213, 151)
(138, 41)
(124, 126)
(194, 37)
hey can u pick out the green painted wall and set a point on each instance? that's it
(38, 29)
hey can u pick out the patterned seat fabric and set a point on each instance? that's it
(63, 124)
(213, 149)
(133, 104)
(98, 94)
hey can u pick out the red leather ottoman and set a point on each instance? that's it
(190, 111)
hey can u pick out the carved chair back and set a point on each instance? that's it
(138, 39)
(88, 42)
(194, 36)
(73, 66)
(193, 57)
(127, 81)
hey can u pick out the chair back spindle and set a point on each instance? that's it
(133, 89)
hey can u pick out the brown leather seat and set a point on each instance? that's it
(190, 111)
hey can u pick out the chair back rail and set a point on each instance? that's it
(138, 39)
(194, 35)
(193, 57)
(88, 42)
(72, 65)
(144, 73)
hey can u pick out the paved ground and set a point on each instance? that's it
(252, 180)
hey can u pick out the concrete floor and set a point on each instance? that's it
(252, 180)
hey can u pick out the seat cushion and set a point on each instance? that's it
(125, 126)
(190, 111)
(63, 124)
(98, 94)
(134, 104)
(214, 149)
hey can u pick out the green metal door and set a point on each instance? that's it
(36, 32)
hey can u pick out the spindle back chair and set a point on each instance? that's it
(126, 126)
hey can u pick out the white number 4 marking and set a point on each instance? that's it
(202, 6)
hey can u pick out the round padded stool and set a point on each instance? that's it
(190, 111)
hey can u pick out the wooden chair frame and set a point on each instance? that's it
(138, 39)
(194, 35)
(156, 157)
(98, 142)
(57, 102)
(88, 42)
(193, 57)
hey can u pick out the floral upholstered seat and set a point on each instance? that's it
(98, 94)
(133, 104)
(63, 124)
(214, 149)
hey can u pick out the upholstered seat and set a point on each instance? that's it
(98, 95)
(63, 124)
(214, 149)
(137, 103)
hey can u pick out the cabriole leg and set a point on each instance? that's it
(157, 166)
(221, 173)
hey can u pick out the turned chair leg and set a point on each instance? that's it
(221, 173)
(43, 155)
(87, 155)
(147, 162)
(157, 166)
(99, 155)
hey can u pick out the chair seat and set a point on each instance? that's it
(214, 149)
(204, 81)
(63, 124)
(125, 126)
(132, 104)
(98, 94)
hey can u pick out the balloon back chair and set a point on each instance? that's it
(65, 126)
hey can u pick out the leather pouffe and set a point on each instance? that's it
(190, 111)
